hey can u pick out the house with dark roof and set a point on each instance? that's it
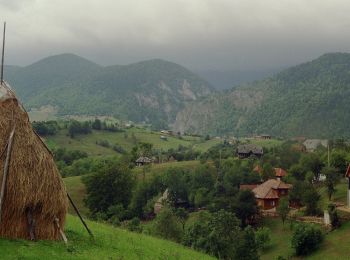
(249, 150)
(269, 193)
(143, 160)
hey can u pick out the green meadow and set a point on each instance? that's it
(108, 243)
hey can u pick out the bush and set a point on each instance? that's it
(218, 234)
(263, 238)
(335, 221)
(103, 143)
(114, 221)
(118, 149)
(76, 128)
(111, 185)
(167, 225)
(45, 128)
(134, 225)
(306, 239)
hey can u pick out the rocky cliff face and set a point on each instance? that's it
(219, 113)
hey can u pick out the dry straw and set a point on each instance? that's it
(33, 183)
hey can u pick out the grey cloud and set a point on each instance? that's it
(207, 34)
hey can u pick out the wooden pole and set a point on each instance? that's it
(328, 154)
(31, 224)
(79, 215)
(3, 54)
(6, 170)
(63, 236)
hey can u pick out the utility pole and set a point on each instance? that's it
(3, 55)
(328, 154)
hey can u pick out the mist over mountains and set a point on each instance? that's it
(226, 79)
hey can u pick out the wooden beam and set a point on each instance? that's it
(79, 215)
(63, 236)
(6, 170)
(3, 55)
(31, 224)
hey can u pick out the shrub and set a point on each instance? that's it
(134, 225)
(111, 185)
(167, 225)
(263, 238)
(306, 239)
(103, 143)
(335, 221)
(118, 149)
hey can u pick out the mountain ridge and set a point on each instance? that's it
(309, 100)
(148, 91)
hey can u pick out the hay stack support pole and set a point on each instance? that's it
(6, 170)
(3, 54)
(79, 215)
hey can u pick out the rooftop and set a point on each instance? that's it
(268, 189)
(247, 148)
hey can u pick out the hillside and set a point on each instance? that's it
(88, 143)
(149, 91)
(307, 100)
(110, 243)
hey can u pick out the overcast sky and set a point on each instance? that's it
(200, 34)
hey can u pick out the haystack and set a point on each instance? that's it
(35, 199)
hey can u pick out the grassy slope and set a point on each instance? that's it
(110, 243)
(335, 246)
(76, 190)
(88, 142)
(340, 194)
(280, 239)
(266, 143)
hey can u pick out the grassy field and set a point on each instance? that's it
(110, 243)
(340, 194)
(76, 189)
(125, 139)
(280, 239)
(161, 168)
(335, 245)
(269, 143)
(204, 146)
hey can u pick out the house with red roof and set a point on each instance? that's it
(269, 193)
(279, 172)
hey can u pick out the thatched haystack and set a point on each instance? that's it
(35, 194)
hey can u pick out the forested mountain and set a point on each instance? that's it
(151, 91)
(311, 99)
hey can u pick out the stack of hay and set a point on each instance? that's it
(35, 200)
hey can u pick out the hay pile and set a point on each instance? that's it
(33, 181)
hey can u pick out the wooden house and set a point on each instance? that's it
(143, 161)
(279, 172)
(249, 150)
(269, 193)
